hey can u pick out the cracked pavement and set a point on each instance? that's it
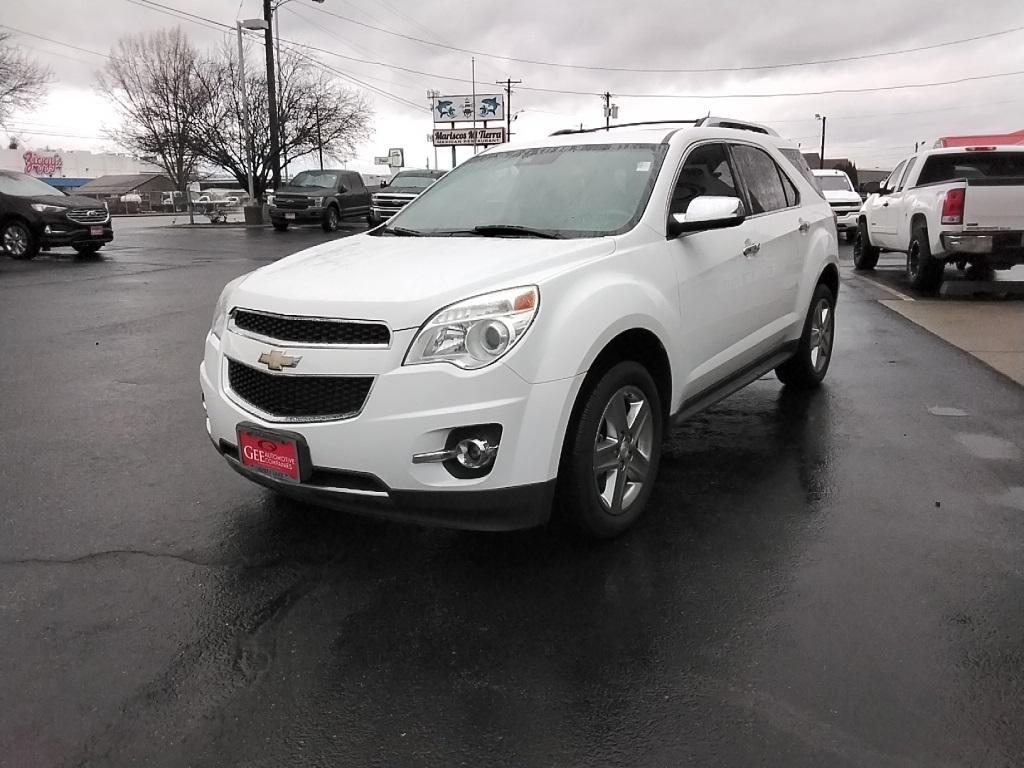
(834, 579)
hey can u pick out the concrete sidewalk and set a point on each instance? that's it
(992, 332)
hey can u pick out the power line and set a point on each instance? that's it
(691, 70)
(55, 42)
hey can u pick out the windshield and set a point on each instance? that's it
(20, 185)
(972, 165)
(314, 179)
(574, 191)
(834, 184)
(412, 181)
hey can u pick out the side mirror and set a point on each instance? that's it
(707, 212)
(383, 183)
(871, 188)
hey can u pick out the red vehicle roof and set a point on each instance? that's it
(982, 140)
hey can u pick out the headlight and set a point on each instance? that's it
(44, 208)
(476, 332)
(318, 202)
(222, 310)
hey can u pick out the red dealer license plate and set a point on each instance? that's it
(282, 455)
(95, 230)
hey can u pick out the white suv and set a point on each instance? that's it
(520, 337)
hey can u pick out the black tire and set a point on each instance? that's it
(923, 271)
(17, 240)
(851, 235)
(581, 485)
(807, 368)
(332, 218)
(865, 255)
(280, 226)
(87, 249)
(370, 221)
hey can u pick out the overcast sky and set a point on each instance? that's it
(874, 129)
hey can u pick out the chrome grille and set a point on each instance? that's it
(88, 215)
(311, 330)
(299, 398)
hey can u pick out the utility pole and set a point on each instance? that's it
(508, 83)
(607, 110)
(280, 89)
(275, 137)
(319, 139)
(473, 64)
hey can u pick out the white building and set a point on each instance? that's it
(68, 169)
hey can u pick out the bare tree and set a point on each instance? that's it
(155, 83)
(22, 80)
(317, 113)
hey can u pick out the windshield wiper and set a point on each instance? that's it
(402, 231)
(513, 230)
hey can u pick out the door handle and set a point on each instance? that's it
(804, 225)
(751, 249)
(885, 204)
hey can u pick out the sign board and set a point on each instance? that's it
(396, 158)
(38, 164)
(468, 137)
(461, 109)
(381, 160)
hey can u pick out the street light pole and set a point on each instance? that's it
(821, 157)
(275, 138)
(245, 104)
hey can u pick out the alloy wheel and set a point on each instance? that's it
(822, 333)
(16, 240)
(622, 449)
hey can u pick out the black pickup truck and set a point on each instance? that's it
(320, 197)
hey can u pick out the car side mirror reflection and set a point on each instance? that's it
(707, 212)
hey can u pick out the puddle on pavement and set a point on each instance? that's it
(1014, 497)
(945, 410)
(988, 446)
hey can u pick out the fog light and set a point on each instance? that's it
(475, 454)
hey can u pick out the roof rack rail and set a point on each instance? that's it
(739, 125)
(565, 131)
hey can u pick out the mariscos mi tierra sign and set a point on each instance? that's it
(38, 164)
(462, 137)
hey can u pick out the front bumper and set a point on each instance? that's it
(382, 214)
(297, 215)
(846, 221)
(364, 463)
(54, 234)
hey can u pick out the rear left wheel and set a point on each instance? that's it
(924, 272)
(807, 368)
(612, 452)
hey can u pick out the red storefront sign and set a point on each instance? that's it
(37, 164)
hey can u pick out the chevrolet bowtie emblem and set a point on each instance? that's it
(277, 361)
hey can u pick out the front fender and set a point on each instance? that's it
(582, 310)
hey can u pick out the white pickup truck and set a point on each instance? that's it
(962, 206)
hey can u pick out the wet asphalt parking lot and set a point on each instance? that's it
(825, 580)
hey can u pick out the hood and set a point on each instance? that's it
(404, 280)
(305, 191)
(842, 196)
(67, 201)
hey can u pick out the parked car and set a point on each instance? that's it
(962, 206)
(34, 216)
(843, 198)
(528, 330)
(320, 197)
(403, 188)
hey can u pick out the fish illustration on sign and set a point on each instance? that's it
(488, 107)
(445, 109)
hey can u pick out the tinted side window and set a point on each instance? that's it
(797, 159)
(705, 172)
(890, 183)
(906, 173)
(792, 196)
(762, 177)
(354, 182)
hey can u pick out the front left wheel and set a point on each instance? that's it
(807, 368)
(18, 241)
(612, 451)
(331, 219)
